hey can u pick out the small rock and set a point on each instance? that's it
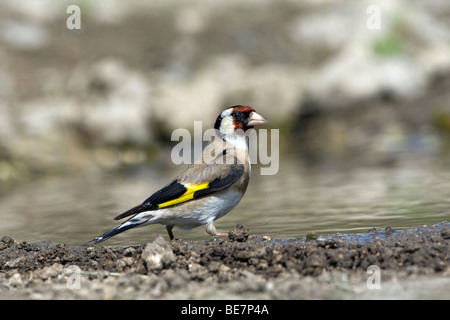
(43, 245)
(53, 271)
(15, 281)
(158, 255)
(240, 233)
(311, 235)
(129, 252)
(8, 240)
(15, 263)
(197, 271)
(214, 266)
(445, 233)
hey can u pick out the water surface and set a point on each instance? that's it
(300, 198)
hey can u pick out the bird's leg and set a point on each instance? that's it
(211, 229)
(169, 231)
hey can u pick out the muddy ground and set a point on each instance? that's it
(413, 264)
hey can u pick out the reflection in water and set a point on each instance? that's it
(295, 201)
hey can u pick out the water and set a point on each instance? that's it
(350, 198)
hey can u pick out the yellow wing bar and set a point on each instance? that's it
(188, 195)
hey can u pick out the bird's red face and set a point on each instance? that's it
(242, 118)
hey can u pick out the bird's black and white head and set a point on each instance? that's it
(238, 120)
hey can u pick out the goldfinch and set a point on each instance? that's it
(208, 189)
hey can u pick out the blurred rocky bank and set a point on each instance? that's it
(112, 92)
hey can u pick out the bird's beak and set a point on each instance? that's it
(256, 119)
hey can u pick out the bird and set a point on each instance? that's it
(208, 189)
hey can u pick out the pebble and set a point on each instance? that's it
(8, 240)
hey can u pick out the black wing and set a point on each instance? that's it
(171, 191)
(219, 183)
(176, 192)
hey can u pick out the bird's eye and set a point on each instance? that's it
(236, 115)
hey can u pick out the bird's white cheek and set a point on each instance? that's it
(227, 126)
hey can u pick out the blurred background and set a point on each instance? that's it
(360, 91)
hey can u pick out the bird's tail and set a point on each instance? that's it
(119, 229)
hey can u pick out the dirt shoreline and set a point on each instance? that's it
(411, 264)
